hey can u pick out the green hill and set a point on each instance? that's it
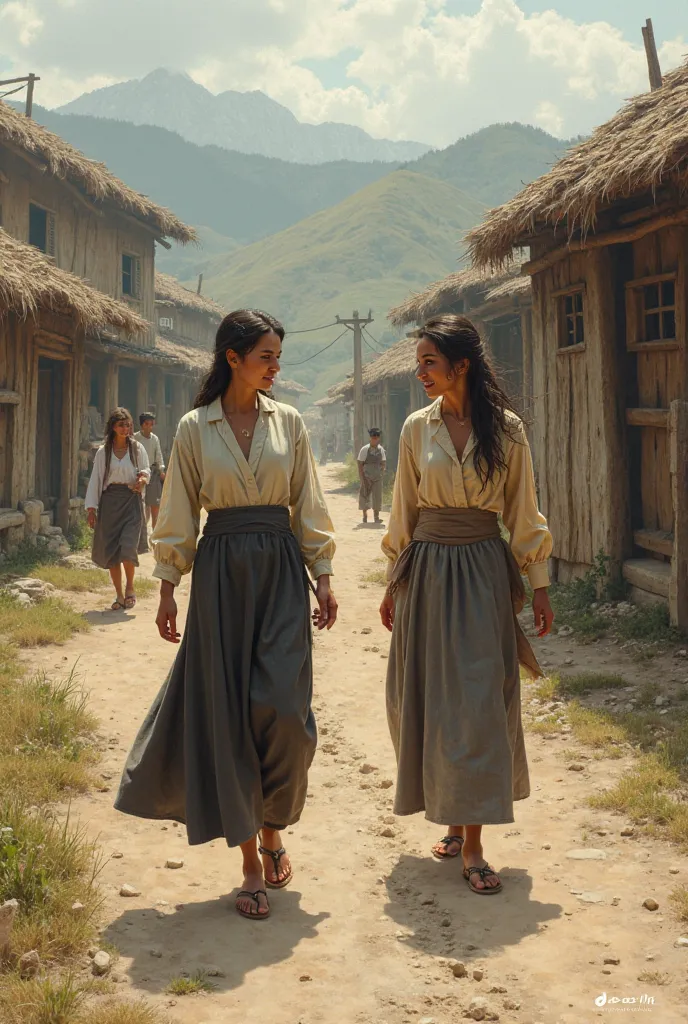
(369, 251)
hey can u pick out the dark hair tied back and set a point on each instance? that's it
(457, 338)
(240, 331)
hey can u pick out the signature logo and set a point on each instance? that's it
(643, 1002)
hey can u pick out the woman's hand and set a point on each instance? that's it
(325, 615)
(542, 611)
(387, 611)
(140, 481)
(91, 518)
(166, 619)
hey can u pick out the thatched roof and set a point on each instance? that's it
(29, 281)
(290, 387)
(169, 290)
(448, 291)
(196, 360)
(642, 147)
(91, 178)
(397, 363)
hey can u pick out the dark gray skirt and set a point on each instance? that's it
(120, 534)
(453, 687)
(226, 747)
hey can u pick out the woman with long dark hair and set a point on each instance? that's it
(115, 508)
(227, 744)
(453, 683)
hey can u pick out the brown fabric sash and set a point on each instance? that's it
(468, 526)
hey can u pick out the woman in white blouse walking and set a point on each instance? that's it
(453, 683)
(228, 742)
(115, 508)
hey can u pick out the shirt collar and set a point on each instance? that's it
(215, 413)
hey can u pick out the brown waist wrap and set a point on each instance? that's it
(468, 526)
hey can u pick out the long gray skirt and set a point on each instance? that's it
(226, 747)
(453, 688)
(120, 534)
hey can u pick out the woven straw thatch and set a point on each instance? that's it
(196, 360)
(30, 280)
(451, 289)
(642, 147)
(290, 387)
(169, 290)
(93, 179)
(398, 363)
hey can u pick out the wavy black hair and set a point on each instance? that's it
(240, 331)
(457, 338)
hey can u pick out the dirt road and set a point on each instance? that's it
(368, 930)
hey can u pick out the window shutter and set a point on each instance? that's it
(51, 246)
(137, 277)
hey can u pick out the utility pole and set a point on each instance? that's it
(356, 324)
(652, 57)
(29, 81)
(200, 284)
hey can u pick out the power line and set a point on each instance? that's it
(310, 330)
(381, 347)
(308, 358)
(11, 92)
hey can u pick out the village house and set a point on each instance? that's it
(607, 229)
(92, 226)
(46, 315)
(336, 433)
(290, 392)
(500, 306)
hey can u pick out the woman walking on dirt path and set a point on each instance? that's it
(453, 685)
(115, 508)
(227, 744)
(372, 462)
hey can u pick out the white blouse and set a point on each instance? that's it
(122, 471)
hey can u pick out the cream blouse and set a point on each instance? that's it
(207, 469)
(431, 475)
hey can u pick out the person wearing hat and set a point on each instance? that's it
(372, 462)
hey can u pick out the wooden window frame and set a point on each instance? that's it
(50, 229)
(560, 296)
(636, 313)
(134, 296)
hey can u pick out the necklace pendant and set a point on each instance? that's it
(246, 433)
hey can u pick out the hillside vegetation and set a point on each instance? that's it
(371, 250)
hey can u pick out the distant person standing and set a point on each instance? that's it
(151, 442)
(372, 462)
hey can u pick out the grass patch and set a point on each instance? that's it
(65, 1000)
(72, 578)
(654, 978)
(188, 986)
(597, 729)
(50, 622)
(145, 587)
(679, 900)
(378, 574)
(80, 537)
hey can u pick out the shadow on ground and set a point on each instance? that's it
(456, 917)
(209, 935)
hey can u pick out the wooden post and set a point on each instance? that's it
(356, 324)
(678, 461)
(652, 57)
(200, 284)
(161, 424)
(141, 394)
(111, 388)
(29, 95)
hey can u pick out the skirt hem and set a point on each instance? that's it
(147, 816)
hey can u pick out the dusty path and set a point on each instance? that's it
(362, 934)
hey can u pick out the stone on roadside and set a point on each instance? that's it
(458, 969)
(478, 975)
(8, 912)
(386, 784)
(511, 1004)
(77, 907)
(682, 942)
(651, 904)
(590, 897)
(613, 960)
(156, 953)
(174, 863)
(29, 964)
(575, 766)
(101, 963)
(129, 890)
(366, 630)
(628, 832)
(367, 769)
(214, 972)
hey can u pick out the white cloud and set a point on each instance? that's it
(420, 71)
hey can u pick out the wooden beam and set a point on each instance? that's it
(655, 540)
(633, 216)
(162, 242)
(678, 465)
(657, 418)
(653, 67)
(631, 234)
(9, 397)
(648, 574)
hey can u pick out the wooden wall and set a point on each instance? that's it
(88, 244)
(578, 402)
(190, 325)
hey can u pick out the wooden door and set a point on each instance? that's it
(128, 391)
(49, 431)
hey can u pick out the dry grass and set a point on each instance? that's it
(145, 587)
(654, 978)
(598, 730)
(65, 1000)
(679, 900)
(378, 574)
(50, 622)
(184, 985)
(72, 579)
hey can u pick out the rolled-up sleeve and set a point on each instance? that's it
(176, 534)
(531, 541)
(310, 519)
(404, 515)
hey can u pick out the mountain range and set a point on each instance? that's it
(247, 122)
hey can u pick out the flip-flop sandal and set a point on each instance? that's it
(484, 873)
(276, 856)
(255, 897)
(117, 606)
(130, 601)
(446, 843)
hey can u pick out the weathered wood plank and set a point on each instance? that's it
(656, 418)
(648, 574)
(659, 541)
(9, 397)
(678, 446)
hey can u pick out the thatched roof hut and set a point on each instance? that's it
(641, 149)
(483, 284)
(30, 281)
(92, 180)
(169, 290)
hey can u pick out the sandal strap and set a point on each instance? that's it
(276, 855)
(448, 840)
(253, 895)
(484, 872)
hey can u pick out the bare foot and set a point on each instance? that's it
(445, 849)
(253, 881)
(278, 868)
(474, 858)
